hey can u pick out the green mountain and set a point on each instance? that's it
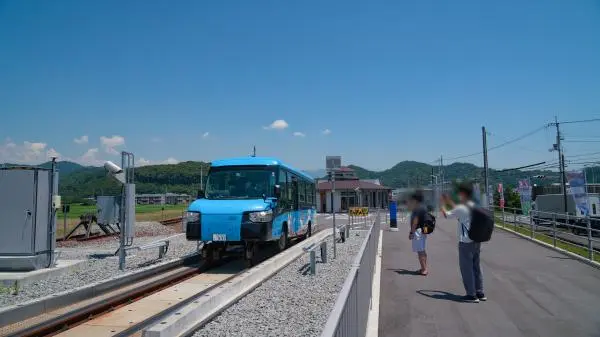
(64, 167)
(413, 174)
(79, 182)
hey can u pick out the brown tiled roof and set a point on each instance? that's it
(350, 185)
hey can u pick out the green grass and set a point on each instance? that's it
(570, 247)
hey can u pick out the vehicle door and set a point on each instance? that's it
(295, 214)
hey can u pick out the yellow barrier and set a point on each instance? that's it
(358, 211)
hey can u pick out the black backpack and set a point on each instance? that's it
(428, 225)
(482, 224)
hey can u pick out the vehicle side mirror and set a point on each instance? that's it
(200, 194)
(277, 191)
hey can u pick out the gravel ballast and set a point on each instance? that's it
(291, 303)
(99, 265)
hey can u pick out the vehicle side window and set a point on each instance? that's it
(283, 187)
(290, 187)
(310, 194)
(301, 191)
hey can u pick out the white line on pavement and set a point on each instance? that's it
(373, 320)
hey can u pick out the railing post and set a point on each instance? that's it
(503, 218)
(554, 228)
(313, 262)
(589, 237)
(531, 225)
(514, 211)
(324, 251)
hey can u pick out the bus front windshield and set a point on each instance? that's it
(236, 183)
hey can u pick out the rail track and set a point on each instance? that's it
(148, 298)
(172, 221)
(126, 311)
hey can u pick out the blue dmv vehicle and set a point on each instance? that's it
(248, 201)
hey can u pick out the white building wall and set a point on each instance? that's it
(337, 201)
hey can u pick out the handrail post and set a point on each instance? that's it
(589, 237)
(554, 228)
(514, 211)
(531, 225)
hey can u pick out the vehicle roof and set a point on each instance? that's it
(267, 161)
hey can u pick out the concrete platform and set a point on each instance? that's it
(16, 280)
(532, 290)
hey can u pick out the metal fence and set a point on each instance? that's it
(569, 232)
(351, 311)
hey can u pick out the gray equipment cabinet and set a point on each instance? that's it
(108, 208)
(27, 218)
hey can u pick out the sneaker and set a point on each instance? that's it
(481, 297)
(470, 299)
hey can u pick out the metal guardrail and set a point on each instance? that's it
(351, 310)
(557, 229)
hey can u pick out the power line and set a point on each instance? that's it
(519, 138)
(582, 121)
(582, 155)
(501, 145)
(582, 141)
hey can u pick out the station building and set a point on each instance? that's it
(351, 192)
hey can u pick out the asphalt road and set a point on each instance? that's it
(532, 290)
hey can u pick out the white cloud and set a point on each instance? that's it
(170, 161)
(89, 158)
(26, 153)
(111, 143)
(81, 140)
(142, 162)
(205, 135)
(52, 153)
(299, 134)
(326, 132)
(279, 124)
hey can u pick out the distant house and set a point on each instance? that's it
(351, 192)
(162, 199)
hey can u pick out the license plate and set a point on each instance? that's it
(219, 237)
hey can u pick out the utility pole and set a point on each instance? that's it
(254, 151)
(485, 167)
(442, 178)
(201, 175)
(332, 179)
(561, 161)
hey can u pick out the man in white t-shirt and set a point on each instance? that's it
(468, 251)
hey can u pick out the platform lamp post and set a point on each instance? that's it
(124, 175)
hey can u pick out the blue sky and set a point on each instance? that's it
(391, 80)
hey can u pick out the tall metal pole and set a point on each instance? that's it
(122, 219)
(442, 178)
(333, 210)
(201, 176)
(485, 167)
(561, 160)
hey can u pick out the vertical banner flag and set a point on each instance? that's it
(501, 193)
(576, 181)
(525, 193)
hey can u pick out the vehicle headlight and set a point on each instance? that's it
(262, 216)
(191, 217)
